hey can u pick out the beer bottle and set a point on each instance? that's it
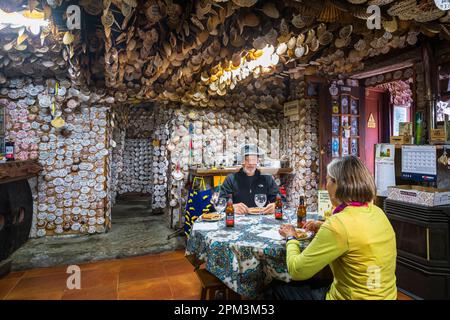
(229, 212)
(301, 212)
(278, 208)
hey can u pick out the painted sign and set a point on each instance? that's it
(371, 123)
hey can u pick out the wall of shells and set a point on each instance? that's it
(71, 192)
(300, 142)
(132, 151)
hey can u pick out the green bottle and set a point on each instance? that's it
(419, 128)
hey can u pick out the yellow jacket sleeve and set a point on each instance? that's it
(329, 244)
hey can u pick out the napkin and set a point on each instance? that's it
(272, 234)
(205, 226)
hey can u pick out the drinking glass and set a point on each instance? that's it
(214, 198)
(287, 211)
(260, 201)
(220, 204)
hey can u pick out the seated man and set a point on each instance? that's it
(243, 185)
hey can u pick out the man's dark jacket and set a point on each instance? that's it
(243, 188)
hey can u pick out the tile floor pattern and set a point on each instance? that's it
(162, 276)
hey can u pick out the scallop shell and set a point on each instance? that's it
(270, 10)
(299, 51)
(314, 46)
(346, 31)
(326, 38)
(282, 48)
(245, 3)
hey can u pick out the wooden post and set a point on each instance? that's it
(430, 74)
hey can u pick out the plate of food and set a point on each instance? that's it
(303, 234)
(255, 210)
(210, 217)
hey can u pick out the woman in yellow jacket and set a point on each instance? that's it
(357, 241)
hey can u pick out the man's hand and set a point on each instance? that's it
(287, 230)
(269, 209)
(240, 208)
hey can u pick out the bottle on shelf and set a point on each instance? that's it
(9, 150)
(229, 212)
(301, 212)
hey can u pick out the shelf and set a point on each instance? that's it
(345, 115)
(226, 171)
(18, 170)
(340, 136)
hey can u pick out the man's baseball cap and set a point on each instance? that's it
(251, 149)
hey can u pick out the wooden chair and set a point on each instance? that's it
(211, 285)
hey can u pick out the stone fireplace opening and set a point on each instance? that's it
(16, 214)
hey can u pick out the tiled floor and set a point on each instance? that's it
(163, 276)
(155, 277)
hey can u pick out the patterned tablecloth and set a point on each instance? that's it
(246, 257)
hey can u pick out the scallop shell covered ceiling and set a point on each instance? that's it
(204, 52)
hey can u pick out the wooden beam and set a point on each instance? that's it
(18, 170)
(226, 171)
(392, 67)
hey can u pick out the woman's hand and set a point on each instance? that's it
(269, 209)
(240, 208)
(287, 230)
(313, 226)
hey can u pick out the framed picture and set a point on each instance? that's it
(354, 106)
(345, 147)
(313, 89)
(344, 104)
(335, 126)
(335, 106)
(354, 147)
(335, 147)
(354, 126)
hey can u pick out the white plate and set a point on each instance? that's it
(222, 216)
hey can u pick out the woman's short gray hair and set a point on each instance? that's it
(353, 179)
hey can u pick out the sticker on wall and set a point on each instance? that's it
(371, 123)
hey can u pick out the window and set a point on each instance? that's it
(401, 114)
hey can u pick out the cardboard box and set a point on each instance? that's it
(438, 136)
(425, 196)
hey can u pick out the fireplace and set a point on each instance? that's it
(16, 205)
(423, 248)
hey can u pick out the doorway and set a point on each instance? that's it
(388, 105)
(375, 102)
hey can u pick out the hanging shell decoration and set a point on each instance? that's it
(330, 13)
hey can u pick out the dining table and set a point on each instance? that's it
(246, 257)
